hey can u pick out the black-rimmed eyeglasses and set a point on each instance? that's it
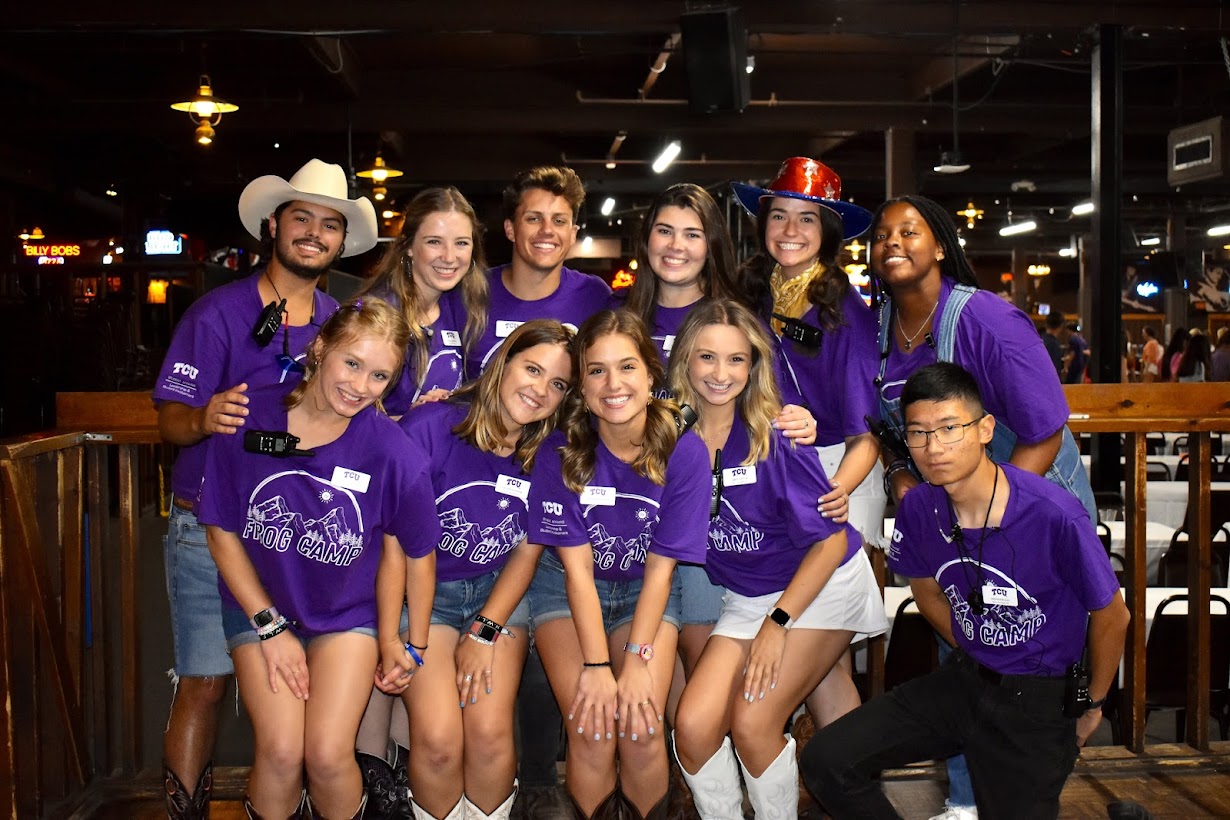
(946, 434)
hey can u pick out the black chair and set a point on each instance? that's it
(1221, 469)
(1180, 469)
(1104, 534)
(1172, 566)
(912, 649)
(1156, 471)
(1155, 444)
(1166, 665)
(1120, 570)
(1180, 446)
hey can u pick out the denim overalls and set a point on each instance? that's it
(1067, 470)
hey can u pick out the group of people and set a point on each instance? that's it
(669, 492)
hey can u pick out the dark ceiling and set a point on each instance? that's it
(467, 93)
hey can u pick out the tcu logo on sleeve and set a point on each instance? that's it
(552, 508)
(184, 369)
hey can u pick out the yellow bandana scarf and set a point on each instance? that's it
(790, 295)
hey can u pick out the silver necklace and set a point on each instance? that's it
(909, 338)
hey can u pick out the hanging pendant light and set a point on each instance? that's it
(951, 162)
(379, 172)
(205, 110)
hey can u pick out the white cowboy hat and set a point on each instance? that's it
(320, 183)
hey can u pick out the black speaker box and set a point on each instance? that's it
(715, 51)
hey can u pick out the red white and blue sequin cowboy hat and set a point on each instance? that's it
(804, 178)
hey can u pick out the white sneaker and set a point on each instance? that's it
(957, 813)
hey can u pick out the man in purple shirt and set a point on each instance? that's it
(1007, 567)
(246, 333)
(541, 207)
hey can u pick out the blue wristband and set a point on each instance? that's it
(414, 653)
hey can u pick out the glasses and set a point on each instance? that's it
(948, 434)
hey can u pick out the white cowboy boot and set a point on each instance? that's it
(775, 794)
(457, 812)
(715, 788)
(501, 812)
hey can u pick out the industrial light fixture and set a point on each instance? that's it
(205, 110)
(1082, 208)
(379, 172)
(1014, 228)
(608, 205)
(751, 64)
(1067, 253)
(970, 213)
(610, 162)
(1216, 230)
(1039, 270)
(667, 156)
(1151, 240)
(379, 192)
(35, 234)
(951, 162)
(111, 191)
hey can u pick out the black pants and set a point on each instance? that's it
(1019, 746)
(541, 725)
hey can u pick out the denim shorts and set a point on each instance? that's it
(239, 630)
(702, 599)
(548, 597)
(196, 606)
(457, 602)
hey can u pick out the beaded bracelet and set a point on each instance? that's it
(273, 628)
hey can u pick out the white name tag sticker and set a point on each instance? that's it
(451, 338)
(504, 327)
(351, 479)
(667, 343)
(737, 476)
(993, 595)
(517, 487)
(598, 496)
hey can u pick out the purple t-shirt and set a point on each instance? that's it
(621, 514)
(767, 519)
(480, 497)
(578, 297)
(313, 526)
(666, 322)
(445, 361)
(213, 350)
(837, 381)
(1045, 562)
(1001, 348)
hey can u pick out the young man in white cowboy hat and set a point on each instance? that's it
(245, 333)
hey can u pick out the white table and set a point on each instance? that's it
(1167, 500)
(1171, 462)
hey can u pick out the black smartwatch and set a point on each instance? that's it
(781, 617)
(264, 617)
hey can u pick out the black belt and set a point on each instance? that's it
(1000, 679)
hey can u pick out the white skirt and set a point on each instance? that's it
(850, 600)
(866, 502)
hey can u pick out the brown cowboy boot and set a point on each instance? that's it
(611, 807)
(185, 805)
(660, 810)
(308, 809)
(301, 811)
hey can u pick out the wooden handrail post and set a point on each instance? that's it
(1199, 579)
(1134, 515)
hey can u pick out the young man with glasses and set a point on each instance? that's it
(1007, 567)
(244, 334)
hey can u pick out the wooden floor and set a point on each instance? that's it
(1172, 782)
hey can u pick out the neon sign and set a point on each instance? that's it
(52, 250)
(163, 243)
(1147, 289)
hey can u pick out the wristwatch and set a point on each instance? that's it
(781, 617)
(644, 650)
(264, 617)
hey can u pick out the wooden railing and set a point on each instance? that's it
(70, 676)
(1134, 410)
